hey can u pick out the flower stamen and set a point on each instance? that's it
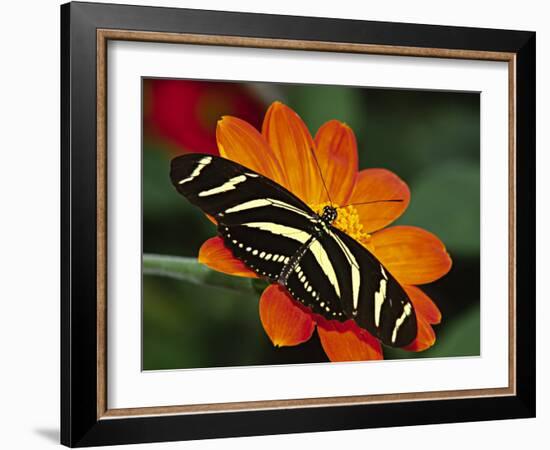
(348, 221)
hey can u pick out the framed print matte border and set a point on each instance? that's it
(85, 416)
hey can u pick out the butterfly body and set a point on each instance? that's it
(280, 238)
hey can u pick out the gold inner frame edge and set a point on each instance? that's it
(103, 36)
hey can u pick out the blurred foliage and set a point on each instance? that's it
(460, 338)
(450, 189)
(191, 325)
(190, 270)
(430, 139)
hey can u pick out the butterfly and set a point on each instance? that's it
(281, 239)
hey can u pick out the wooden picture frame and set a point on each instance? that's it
(86, 418)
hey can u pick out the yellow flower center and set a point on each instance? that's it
(348, 221)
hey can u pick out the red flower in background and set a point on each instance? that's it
(183, 114)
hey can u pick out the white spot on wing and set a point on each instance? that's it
(196, 172)
(229, 185)
(281, 230)
(323, 260)
(251, 204)
(355, 273)
(261, 202)
(379, 297)
(406, 313)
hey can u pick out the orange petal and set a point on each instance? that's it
(293, 146)
(379, 184)
(211, 219)
(217, 256)
(337, 156)
(284, 322)
(413, 255)
(242, 143)
(424, 339)
(348, 343)
(423, 305)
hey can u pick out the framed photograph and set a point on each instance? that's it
(277, 224)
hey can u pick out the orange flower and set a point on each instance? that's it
(283, 152)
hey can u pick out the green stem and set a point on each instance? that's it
(190, 270)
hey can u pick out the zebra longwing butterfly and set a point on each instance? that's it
(283, 240)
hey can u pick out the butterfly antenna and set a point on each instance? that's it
(321, 173)
(397, 200)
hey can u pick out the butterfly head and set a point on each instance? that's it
(329, 214)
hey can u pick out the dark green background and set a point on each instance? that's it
(430, 139)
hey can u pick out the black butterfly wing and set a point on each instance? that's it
(262, 223)
(216, 184)
(272, 231)
(319, 280)
(377, 302)
(340, 279)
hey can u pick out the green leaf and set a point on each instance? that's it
(190, 270)
(462, 336)
(406, 130)
(446, 201)
(187, 325)
(340, 103)
(159, 197)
